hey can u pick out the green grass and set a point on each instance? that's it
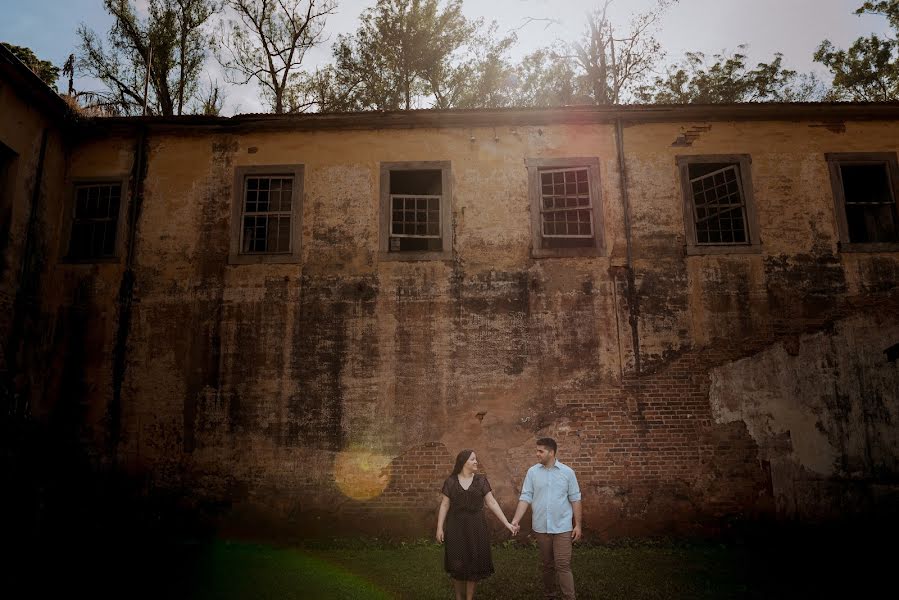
(241, 570)
(786, 567)
(224, 570)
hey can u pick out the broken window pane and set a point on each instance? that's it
(719, 205)
(869, 203)
(267, 215)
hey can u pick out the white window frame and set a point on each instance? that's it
(445, 211)
(236, 254)
(536, 167)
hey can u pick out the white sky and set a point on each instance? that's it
(794, 27)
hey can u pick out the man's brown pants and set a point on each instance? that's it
(555, 560)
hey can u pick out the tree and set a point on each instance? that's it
(614, 63)
(728, 79)
(607, 65)
(170, 40)
(268, 40)
(210, 101)
(44, 69)
(478, 77)
(406, 52)
(547, 77)
(869, 69)
(68, 69)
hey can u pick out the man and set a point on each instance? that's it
(551, 489)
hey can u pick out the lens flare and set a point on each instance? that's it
(361, 474)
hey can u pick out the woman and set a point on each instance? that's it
(467, 553)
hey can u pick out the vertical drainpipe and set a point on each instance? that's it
(632, 300)
(126, 293)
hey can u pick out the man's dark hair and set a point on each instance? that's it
(547, 443)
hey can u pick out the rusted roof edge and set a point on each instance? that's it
(418, 119)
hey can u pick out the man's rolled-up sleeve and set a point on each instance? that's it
(527, 489)
(574, 490)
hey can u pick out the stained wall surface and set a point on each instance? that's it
(33, 159)
(683, 389)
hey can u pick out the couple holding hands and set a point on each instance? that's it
(550, 489)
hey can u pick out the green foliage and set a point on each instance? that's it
(407, 52)
(886, 8)
(548, 77)
(869, 69)
(42, 68)
(170, 40)
(728, 79)
(606, 65)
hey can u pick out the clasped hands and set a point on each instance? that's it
(514, 528)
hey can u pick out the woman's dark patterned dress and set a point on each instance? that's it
(467, 544)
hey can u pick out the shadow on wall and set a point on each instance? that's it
(67, 520)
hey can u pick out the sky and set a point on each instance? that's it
(793, 27)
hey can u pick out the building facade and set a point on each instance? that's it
(303, 318)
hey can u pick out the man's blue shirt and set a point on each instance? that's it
(550, 492)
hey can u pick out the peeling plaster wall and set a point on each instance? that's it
(344, 385)
(823, 411)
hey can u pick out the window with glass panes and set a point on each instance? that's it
(95, 218)
(415, 210)
(719, 204)
(564, 194)
(266, 216)
(566, 209)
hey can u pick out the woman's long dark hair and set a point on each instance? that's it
(461, 459)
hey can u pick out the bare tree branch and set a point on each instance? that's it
(267, 41)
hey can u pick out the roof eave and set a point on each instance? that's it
(418, 119)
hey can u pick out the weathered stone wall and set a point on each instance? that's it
(33, 158)
(342, 386)
(77, 331)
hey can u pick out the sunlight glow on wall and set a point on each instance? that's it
(361, 474)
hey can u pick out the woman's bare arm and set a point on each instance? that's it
(441, 517)
(493, 505)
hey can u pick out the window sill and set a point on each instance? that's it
(869, 247)
(261, 259)
(566, 253)
(414, 256)
(702, 250)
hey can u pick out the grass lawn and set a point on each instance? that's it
(789, 568)
(245, 570)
